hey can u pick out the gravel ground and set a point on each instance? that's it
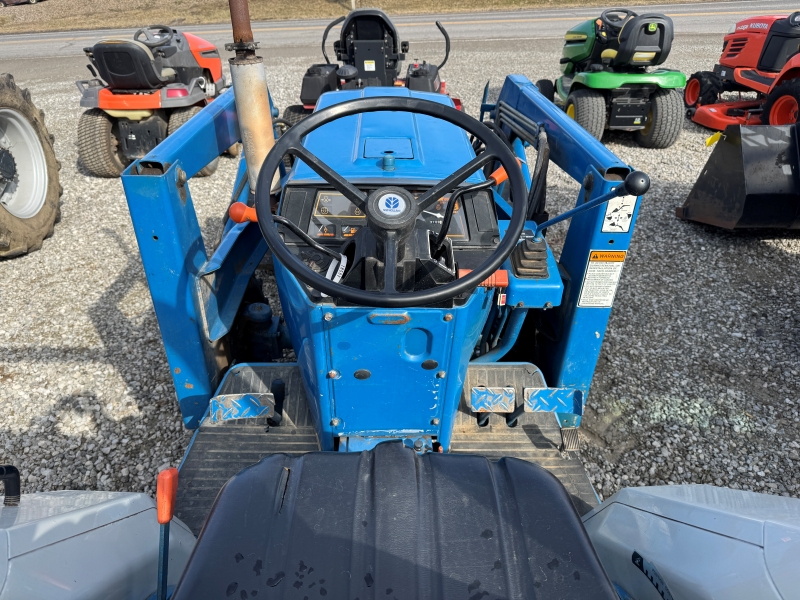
(697, 380)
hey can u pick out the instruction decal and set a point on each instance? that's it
(601, 278)
(619, 214)
(369, 65)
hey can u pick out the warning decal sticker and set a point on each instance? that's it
(619, 214)
(369, 65)
(601, 278)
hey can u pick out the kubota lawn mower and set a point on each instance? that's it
(144, 90)
(607, 82)
(759, 54)
(370, 51)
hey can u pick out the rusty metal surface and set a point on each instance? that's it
(240, 20)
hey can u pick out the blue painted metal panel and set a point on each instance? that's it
(173, 253)
(400, 398)
(438, 147)
(569, 359)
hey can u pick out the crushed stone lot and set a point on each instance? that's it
(697, 380)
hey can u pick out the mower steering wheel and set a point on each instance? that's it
(152, 40)
(615, 18)
(401, 210)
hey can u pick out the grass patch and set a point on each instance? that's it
(63, 15)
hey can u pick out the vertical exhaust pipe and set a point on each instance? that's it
(251, 92)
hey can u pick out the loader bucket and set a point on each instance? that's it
(750, 181)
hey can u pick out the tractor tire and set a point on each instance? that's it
(547, 89)
(29, 201)
(181, 116)
(588, 108)
(98, 144)
(781, 106)
(665, 120)
(703, 87)
(295, 113)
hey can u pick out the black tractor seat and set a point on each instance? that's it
(389, 523)
(129, 65)
(369, 42)
(643, 41)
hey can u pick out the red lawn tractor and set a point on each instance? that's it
(759, 54)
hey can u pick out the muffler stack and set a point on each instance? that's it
(252, 95)
(751, 180)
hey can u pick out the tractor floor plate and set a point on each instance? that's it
(218, 452)
(536, 438)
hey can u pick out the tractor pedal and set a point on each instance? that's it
(569, 439)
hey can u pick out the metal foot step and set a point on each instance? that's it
(219, 451)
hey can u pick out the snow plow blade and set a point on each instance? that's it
(751, 181)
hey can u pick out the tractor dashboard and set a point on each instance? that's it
(330, 219)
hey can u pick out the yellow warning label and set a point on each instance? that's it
(607, 256)
(601, 278)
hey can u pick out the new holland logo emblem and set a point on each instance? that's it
(651, 27)
(391, 204)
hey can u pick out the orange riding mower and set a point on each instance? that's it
(143, 90)
(761, 55)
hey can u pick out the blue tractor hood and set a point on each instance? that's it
(426, 149)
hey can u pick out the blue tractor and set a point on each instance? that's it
(443, 355)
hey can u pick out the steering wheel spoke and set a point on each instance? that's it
(342, 186)
(448, 184)
(390, 263)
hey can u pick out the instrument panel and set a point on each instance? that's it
(334, 217)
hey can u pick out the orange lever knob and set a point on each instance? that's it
(240, 212)
(498, 279)
(166, 491)
(500, 174)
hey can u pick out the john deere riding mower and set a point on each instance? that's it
(608, 81)
(144, 89)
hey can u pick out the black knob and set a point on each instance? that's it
(636, 184)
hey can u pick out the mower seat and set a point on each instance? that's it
(129, 65)
(389, 523)
(644, 41)
(369, 42)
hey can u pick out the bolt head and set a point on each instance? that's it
(434, 421)
(440, 375)
(328, 316)
(448, 317)
(335, 422)
(333, 374)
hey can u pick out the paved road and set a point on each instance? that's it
(697, 18)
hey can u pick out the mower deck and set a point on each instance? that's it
(219, 451)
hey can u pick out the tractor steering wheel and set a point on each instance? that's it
(153, 35)
(391, 211)
(615, 18)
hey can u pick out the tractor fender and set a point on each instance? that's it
(791, 70)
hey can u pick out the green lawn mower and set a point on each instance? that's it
(608, 81)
